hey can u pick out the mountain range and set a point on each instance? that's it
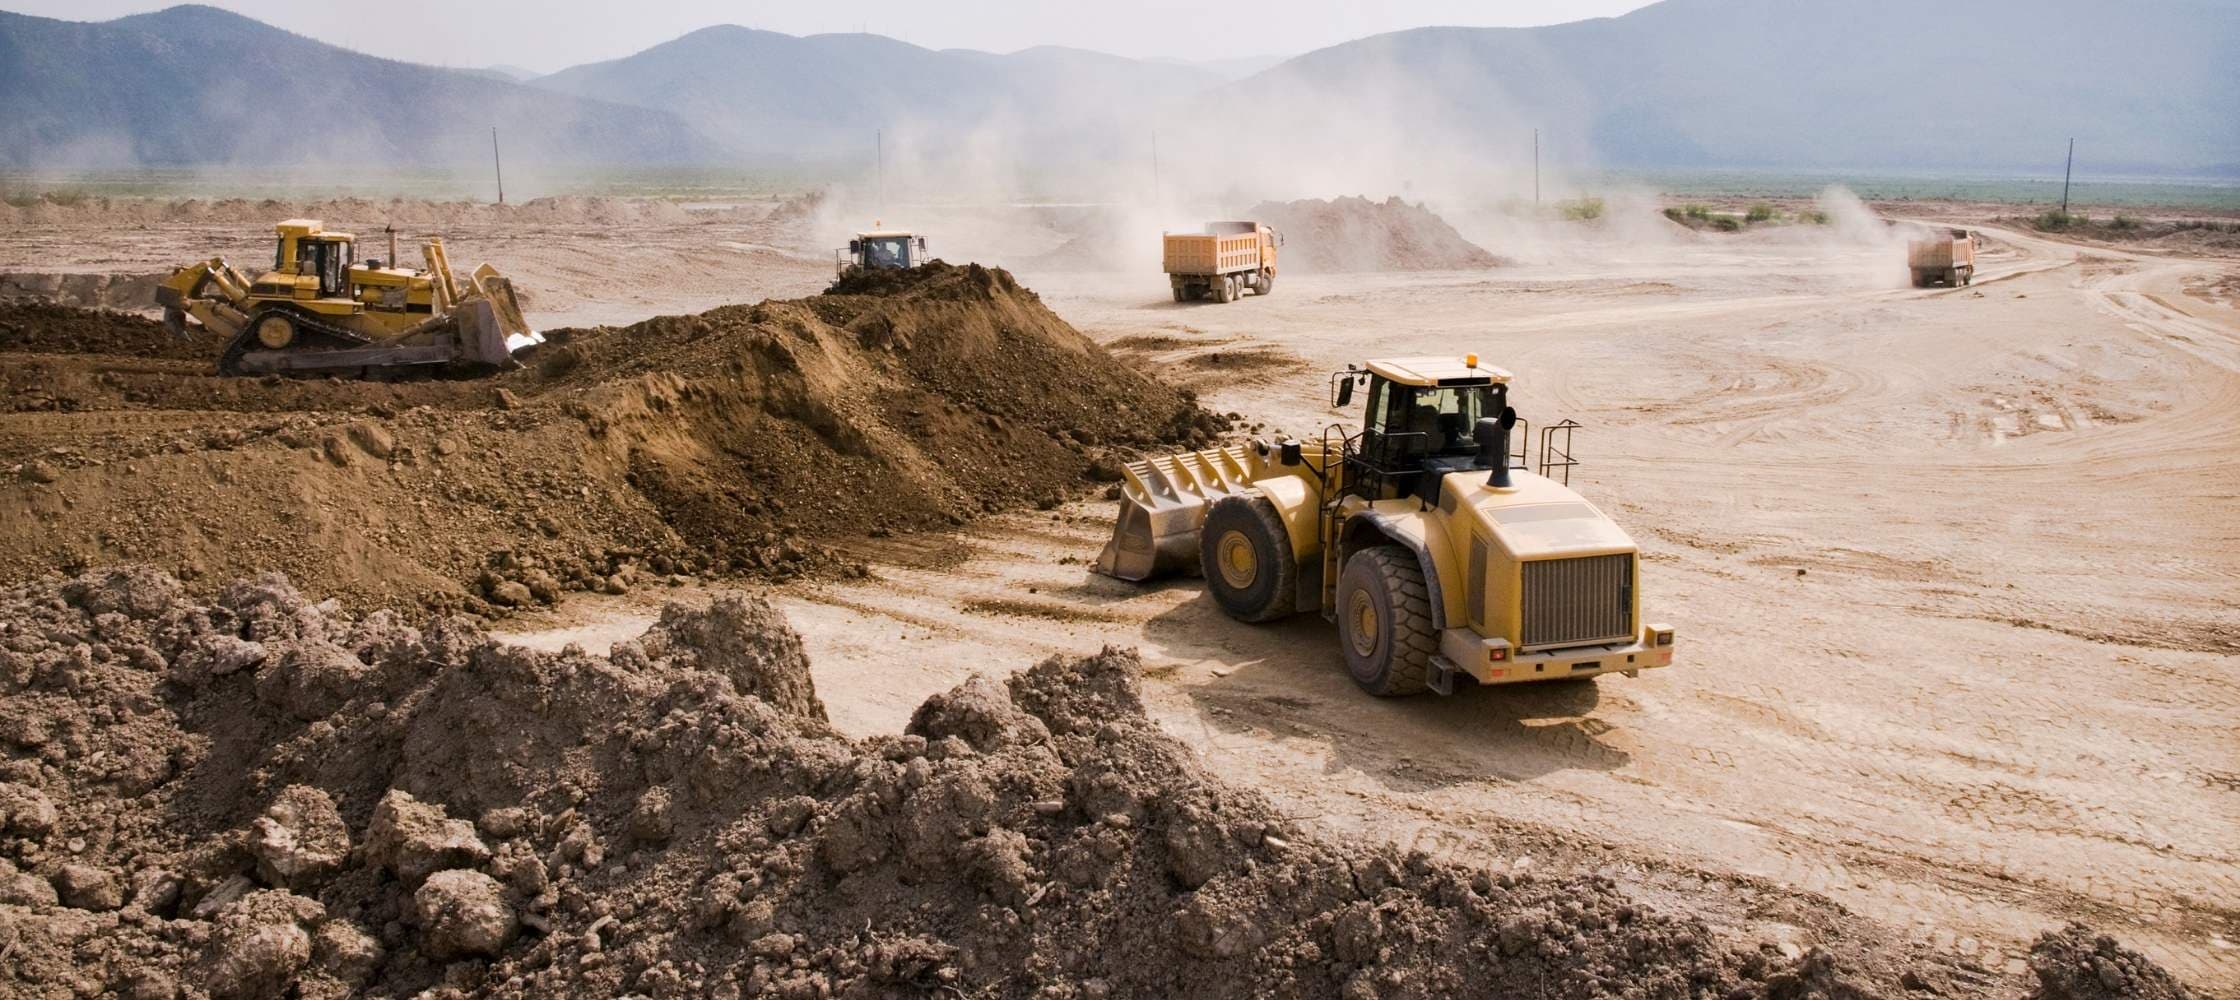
(1986, 85)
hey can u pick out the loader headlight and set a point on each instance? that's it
(1497, 650)
(1660, 635)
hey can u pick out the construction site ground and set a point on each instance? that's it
(1954, 574)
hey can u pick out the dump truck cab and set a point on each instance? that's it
(882, 250)
(1421, 534)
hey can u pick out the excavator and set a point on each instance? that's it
(320, 310)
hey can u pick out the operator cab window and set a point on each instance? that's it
(890, 252)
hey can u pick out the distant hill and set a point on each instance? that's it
(197, 86)
(1965, 85)
(773, 95)
(1976, 84)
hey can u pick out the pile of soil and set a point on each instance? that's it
(566, 209)
(41, 327)
(2076, 964)
(92, 291)
(735, 442)
(265, 796)
(1356, 234)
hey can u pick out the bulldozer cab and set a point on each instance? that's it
(304, 250)
(1422, 420)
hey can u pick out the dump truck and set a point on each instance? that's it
(1221, 262)
(1948, 257)
(320, 309)
(1420, 535)
(880, 250)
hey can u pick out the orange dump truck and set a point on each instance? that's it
(1948, 257)
(1221, 262)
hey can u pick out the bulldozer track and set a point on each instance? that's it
(229, 362)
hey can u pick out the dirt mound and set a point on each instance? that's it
(731, 442)
(44, 328)
(265, 796)
(1356, 234)
(2076, 964)
(92, 291)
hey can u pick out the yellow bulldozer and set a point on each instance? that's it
(1421, 535)
(319, 309)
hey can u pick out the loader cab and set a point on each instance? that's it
(1421, 419)
(885, 250)
(306, 251)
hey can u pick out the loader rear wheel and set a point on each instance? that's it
(1246, 554)
(1384, 622)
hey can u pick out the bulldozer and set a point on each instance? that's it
(880, 250)
(320, 310)
(1421, 535)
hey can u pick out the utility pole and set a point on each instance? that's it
(2066, 172)
(879, 152)
(1155, 189)
(497, 164)
(1536, 168)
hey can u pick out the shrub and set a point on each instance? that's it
(1760, 212)
(1726, 223)
(1676, 215)
(1813, 216)
(1697, 212)
(1580, 209)
(2057, 220)
(2123, 223)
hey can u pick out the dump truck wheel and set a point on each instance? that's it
(1180, 294)
(1267, 283)
(1220, 289)
(1246, 555)
(1384, 622)
(275, 330)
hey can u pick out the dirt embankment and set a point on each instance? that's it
(1356, 234)
(266, 796)
(730, 442)
(566, 209)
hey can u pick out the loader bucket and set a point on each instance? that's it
(1162, 504)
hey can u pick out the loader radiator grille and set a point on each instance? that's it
(1578, 601)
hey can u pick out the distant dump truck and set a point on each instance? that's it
(1222, 261)
(1948, 257)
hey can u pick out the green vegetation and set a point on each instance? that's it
(1580, 209)
(1760, 212)
(2057, 220)
(2123, 223)
(1726, 223)
(1813, 216)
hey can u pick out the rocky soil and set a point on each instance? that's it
(264, 796)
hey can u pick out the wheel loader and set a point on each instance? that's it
(319, 309)
(1421, 535)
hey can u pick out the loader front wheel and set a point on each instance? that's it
(1384, 622)
(1246, 554)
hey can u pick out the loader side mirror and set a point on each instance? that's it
(1345, 393)
(855, 246)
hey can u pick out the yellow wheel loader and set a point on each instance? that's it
(880, 250)
(321, 310)
(1422, 536)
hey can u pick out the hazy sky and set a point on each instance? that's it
(547, 35)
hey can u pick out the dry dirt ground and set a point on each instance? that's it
(1954, 571)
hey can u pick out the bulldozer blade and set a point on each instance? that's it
(175, 320)
(481, 334)
(1162, 505)
(499, 290)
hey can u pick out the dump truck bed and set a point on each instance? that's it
(1211, 253)
(1939, 252)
